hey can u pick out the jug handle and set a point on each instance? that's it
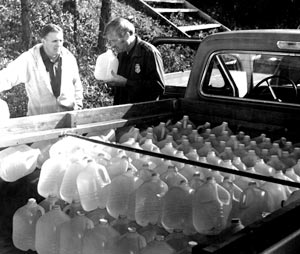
(222, 190)
(41, 209)
(33, 157)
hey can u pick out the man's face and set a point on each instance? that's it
(120, 44)
(53, 43)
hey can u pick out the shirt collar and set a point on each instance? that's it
(135, 51)
(46, 58)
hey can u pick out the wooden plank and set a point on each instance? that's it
(38, 123)
(172, 10)
(166, 1)
(34, 136)
(198, 27)
(34, 128)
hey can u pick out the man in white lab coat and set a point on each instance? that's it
(50, 74)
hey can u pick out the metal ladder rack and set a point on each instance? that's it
(164, 9)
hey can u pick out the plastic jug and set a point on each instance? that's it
(205, 149)
(177, 240)
(50, 201)
(124, 135)
(188, 171)
(71, 234)
(192, 137)
(17, 161)
(208, 216)
(101, 239)
(68, 188)
(44, 146)
(117, 165)
(189, 248)
(131, 242)
(169, 149)
(173, 177)
(237, 162)
(217, 130)
(177, 208)
(250, 158)
(105, 64)
(262, 168)
(151, 231)
(228, 164)
(47, 230)
(73, 208)
(235, 194)
(90, 183)
(227, 154)
(120, 190)
(97, 214)
(185, 145)
(197, 180)
(192, 155)
(148, 144)
(276, 194)
(24, 223)
(148, 200)
(253, 203)
(160, 131)
(179, 154)
(51, 176)
(159, 245)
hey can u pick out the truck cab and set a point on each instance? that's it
(248, 78)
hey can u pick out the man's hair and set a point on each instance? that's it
(120, 26)
(50, 28)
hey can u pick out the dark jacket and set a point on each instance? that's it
(143, 67)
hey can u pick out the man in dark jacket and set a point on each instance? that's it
(140, 75)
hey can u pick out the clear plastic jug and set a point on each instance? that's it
(17, 162)
(177, 208)
(105, 238)
(120, 189)
(47, 231)
(90, 183)
(253, 203)
(105, 64)
(131, 242)
(208, 216)
(148, 201)
(68, 188)
(51, 176)
(159, 245)
(24, 223)
(71, 234)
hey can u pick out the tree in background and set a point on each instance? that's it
(26, 27)
(104, 18)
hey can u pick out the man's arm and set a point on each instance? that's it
(14, 74)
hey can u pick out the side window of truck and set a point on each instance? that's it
(225, 76)
(259, 76)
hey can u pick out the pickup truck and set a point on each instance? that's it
(249, 79)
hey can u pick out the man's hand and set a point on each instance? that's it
(116, 80)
